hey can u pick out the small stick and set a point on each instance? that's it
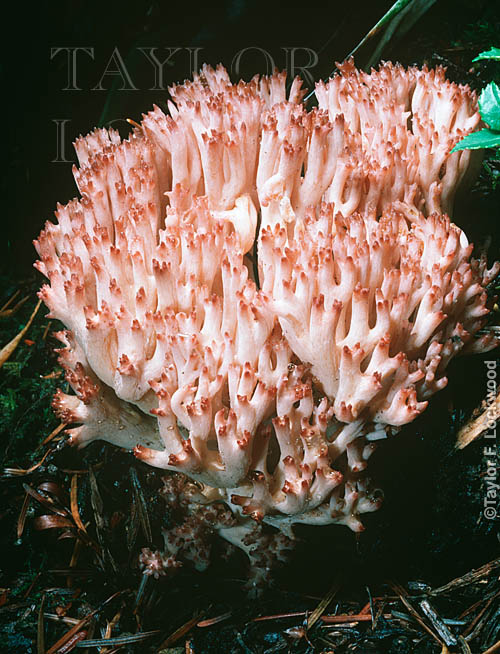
(52, 375)
(22, 515)
(59, 618)
(474, 428)
(438, 624)
(53, 434)
(211, 621)
(470, 577)
(346, 618)
(9, 349)
(479, 615)
(40, 636)
(10, 300)
(318, 611)
(140, 592)
(493, 649)
(118, 640)
(46, 330)
(73, 632)
(414, 613)
(132, 122)
(294, 614)
(178, 633)
(8, 313)
(74, 504)
(32, 585)
(379, 612)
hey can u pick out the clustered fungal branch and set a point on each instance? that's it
(271, 393)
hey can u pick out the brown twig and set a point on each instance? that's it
(469, 578)
(347, 618)
(119, 640)
(32, 585)
(9, 301)
(211, 621)
(178, 633)
(437, 623)
(493, 649)
(21, 521)
(11, 346)
(46, 330)
(18, 472)
(53, 434)
(278, 616)
(490, 412)
(45, 500)
(8, 313)
(40, 637)
(478, 617)
(318, 611)
(402, 596)
(74, 504)
(71, 633)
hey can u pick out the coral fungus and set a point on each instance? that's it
(256, 293)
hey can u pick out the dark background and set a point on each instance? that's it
(34, 83)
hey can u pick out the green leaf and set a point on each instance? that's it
(486, 138)
(489, 105)
(393, 25)
(398, 20)
(492, 53)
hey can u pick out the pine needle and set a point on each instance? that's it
(10, 348)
